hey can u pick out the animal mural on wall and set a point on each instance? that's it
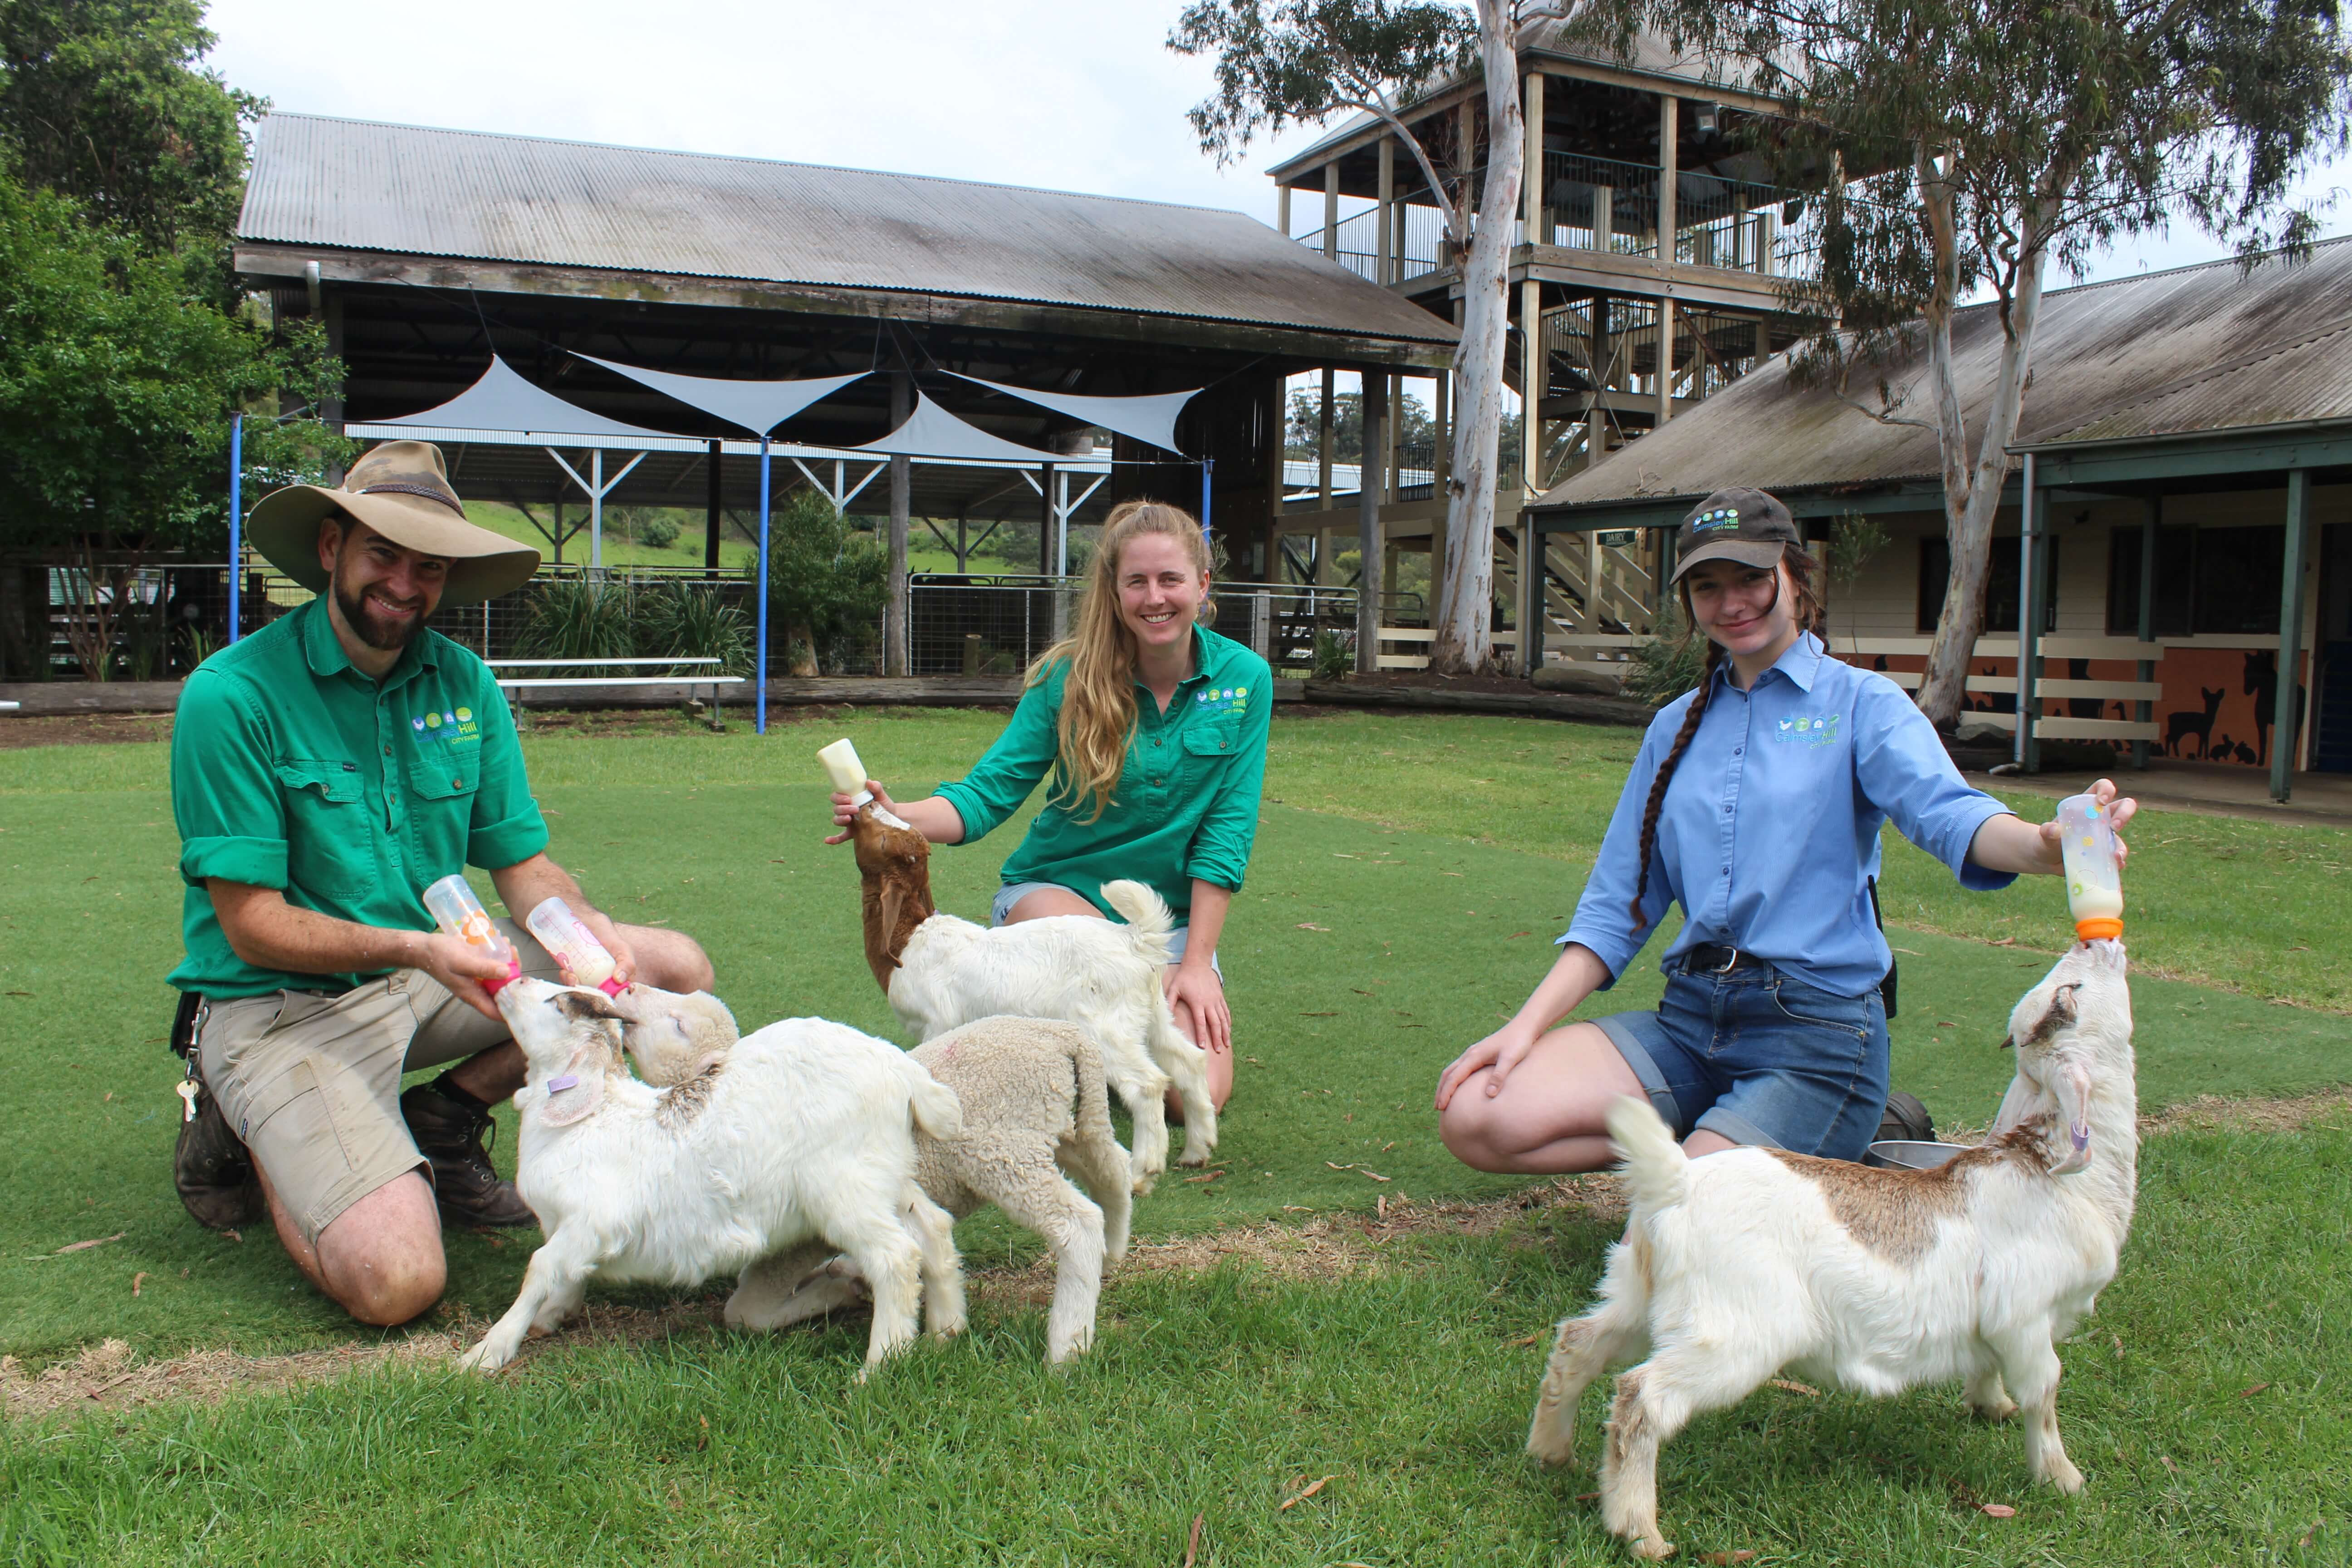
(2261, 685)
(2181, 725)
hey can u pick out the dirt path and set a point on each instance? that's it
(111, 1376)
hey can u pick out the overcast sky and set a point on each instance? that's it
(1064, 94)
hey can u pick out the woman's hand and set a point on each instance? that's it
(2118, 813)
(844, 814)
(1198, 999)
(1502, 1050)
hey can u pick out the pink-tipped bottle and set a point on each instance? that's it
(455, 909)
(570, 944)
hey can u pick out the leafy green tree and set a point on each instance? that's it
(1302, 429)
(106, 101)
(825, 579)
(117, 381)
(1283, 62)
(1991, 139)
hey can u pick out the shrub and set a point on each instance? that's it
(827, 581)
(658, 532)
(1667, 665)
(1335, 655)
(687, 620)
(577, 618)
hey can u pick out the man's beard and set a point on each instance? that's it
(371, 627)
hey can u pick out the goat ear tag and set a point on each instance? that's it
(573, 1100)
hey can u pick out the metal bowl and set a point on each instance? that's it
(1904, 1154)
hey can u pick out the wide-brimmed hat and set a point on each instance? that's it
(1742, 524)
(401, 490)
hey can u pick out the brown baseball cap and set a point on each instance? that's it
(401, 490)
(1740, 524)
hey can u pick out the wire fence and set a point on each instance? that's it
(158, 622)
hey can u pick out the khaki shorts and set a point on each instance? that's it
(312, 1082)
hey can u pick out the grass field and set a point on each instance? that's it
(1408, 877)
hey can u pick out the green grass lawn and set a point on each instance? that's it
(1398, 906)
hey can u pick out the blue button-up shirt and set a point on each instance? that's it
(1767, 836)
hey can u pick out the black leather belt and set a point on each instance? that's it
(1714, 958)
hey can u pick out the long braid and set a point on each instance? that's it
(1810, 615)
(1666, 771)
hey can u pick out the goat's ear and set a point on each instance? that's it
(2061, 1014)
(577, 1005)
(582, 1089)
(894, 902)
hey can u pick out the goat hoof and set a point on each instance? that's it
(1655, 1548)
(2000, 1412)
(2063, 1475)
(481, 1359)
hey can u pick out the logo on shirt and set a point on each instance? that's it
(446, 727)
(1811, 728)
(1221, 699)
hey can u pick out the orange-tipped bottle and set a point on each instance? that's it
(2094, 889)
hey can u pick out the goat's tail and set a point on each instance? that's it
(938, 1112)
(1147, 917)
(1656, 1170)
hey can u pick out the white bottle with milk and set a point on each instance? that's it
(848, 773)
(2094, 889)
(570, 944)
(455, 909)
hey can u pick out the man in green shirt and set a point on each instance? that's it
(324, 772)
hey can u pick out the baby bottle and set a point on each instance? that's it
(848, 773)
(2095, 890)
(458, 912)
(570, 944)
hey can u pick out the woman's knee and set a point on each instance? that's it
(1469, 1128)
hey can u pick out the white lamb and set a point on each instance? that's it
(799, 1143)
(1033, 1108)
(939, 972)
(1742, 1263)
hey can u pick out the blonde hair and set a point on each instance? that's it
(1098, 715)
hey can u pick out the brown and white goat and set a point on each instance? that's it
(1743, 1263)
(940, 972)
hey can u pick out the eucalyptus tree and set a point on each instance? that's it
(1284, 62)
(1964, 147)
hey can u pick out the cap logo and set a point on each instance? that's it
(1721, 517)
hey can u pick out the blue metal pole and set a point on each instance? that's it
(235, 515)
(1208, 467)
(760, 725)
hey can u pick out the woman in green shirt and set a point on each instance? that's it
(1153, 728)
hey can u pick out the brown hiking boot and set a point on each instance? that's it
(210, 1167)
(453, 1130)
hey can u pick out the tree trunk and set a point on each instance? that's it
(1972, 491)
(1464, 623)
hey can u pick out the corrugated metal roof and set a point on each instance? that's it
(406, 190)
(2198, 348)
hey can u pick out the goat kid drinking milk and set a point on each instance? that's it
(1755, 802)
(1154, 729)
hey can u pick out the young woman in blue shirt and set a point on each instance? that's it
(1755, 802)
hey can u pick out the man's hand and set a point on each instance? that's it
(2118, 813)
(461, 967)
(624, 962)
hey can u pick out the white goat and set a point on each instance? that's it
(939, 972)
(799, 1143)
(1742, 1263)
(1033, 1107)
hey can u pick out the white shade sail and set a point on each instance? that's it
(758, 407)
(1150, 419)
(932, 432)
(503, 400)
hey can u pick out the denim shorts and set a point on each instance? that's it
(1001, 909)
(1762, 1058)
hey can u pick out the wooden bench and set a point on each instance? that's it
(516, 687)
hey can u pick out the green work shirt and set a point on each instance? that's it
(1186, 802)
(292, 770)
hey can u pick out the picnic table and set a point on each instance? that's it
(515, 687)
